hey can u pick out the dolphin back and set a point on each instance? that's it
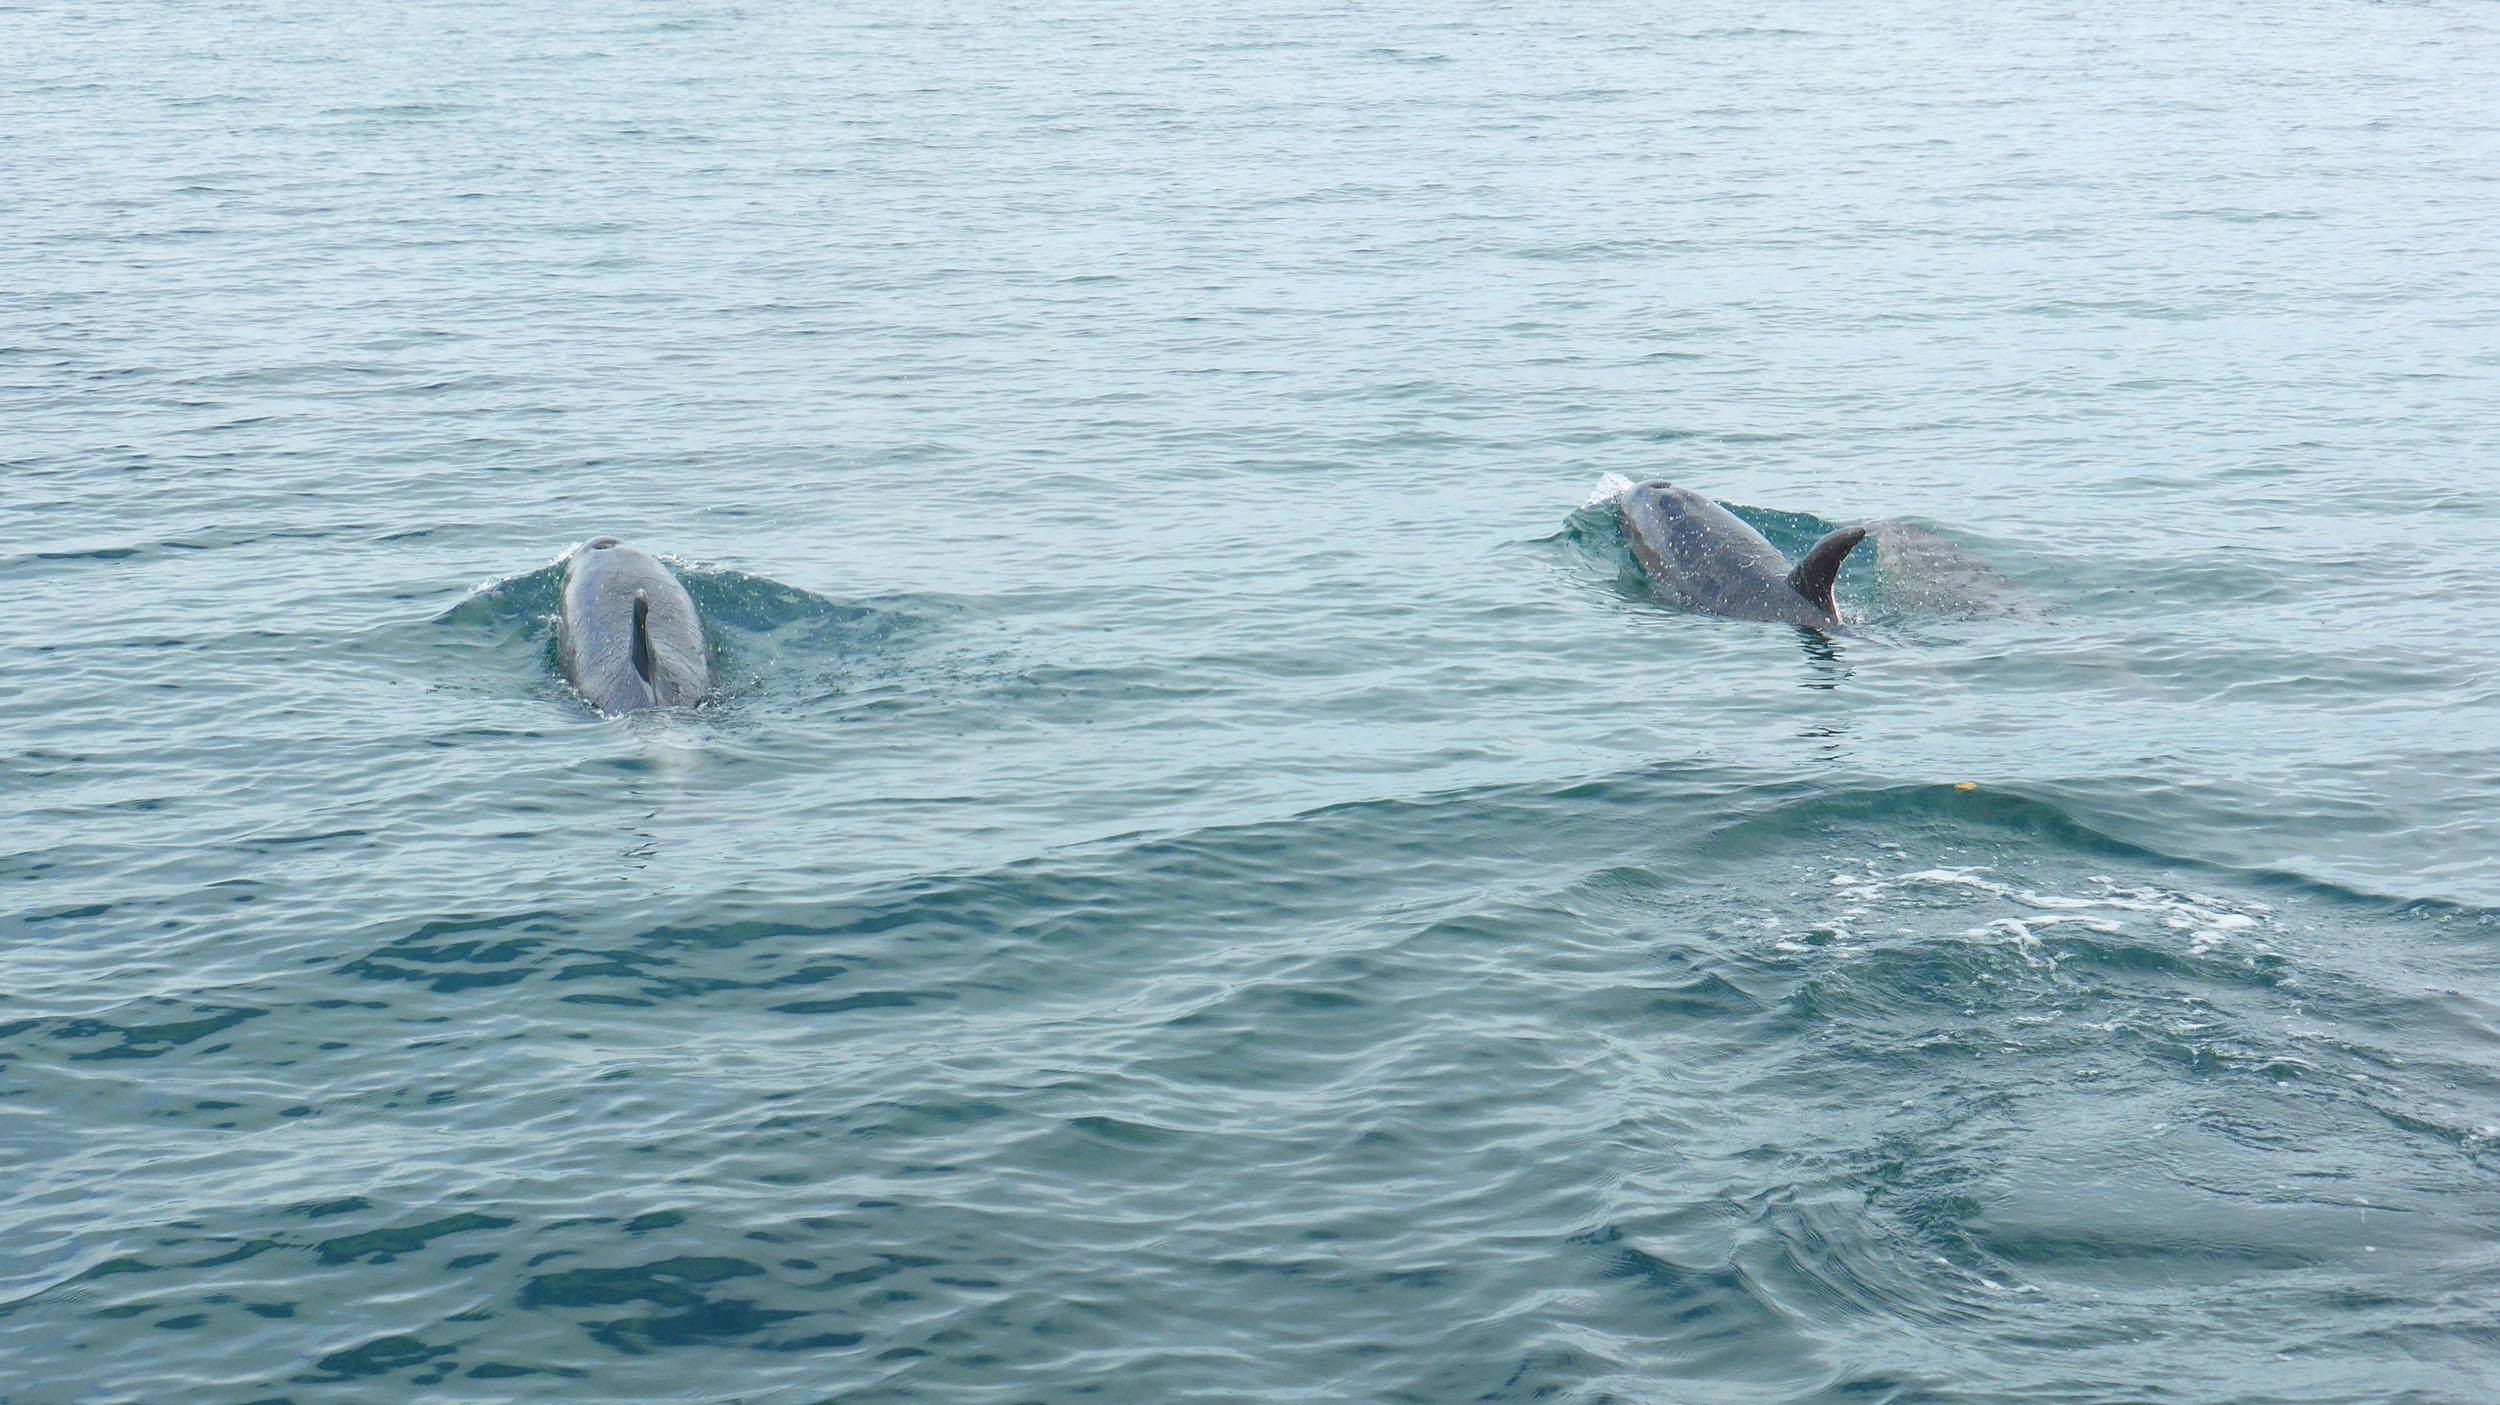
(1697, 551)
(628, 636)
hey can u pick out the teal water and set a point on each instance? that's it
(1209, 876)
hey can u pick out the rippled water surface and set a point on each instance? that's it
(1209, 875)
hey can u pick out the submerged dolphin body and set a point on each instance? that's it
(627, 634)
(1707, 556)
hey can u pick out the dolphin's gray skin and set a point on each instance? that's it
(628, 635)
(1706, 556)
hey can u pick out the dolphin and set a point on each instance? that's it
(1707, 556)
(627, 634)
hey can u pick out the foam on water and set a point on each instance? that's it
(2006, 912)
(1610, 487)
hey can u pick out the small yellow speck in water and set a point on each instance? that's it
(1965, 785)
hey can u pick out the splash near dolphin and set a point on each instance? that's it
(1699, 552)
(627, 633)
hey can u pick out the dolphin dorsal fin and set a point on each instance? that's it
(1821, 566)
(643, 662)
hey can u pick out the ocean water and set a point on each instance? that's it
(1209, 876)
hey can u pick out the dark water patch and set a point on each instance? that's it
(383, 1245)
(753, 964)
(323, 1209)
(682, 1291)
(382, 1356)
(100, 553)
(141, 1041)
(444, 955)
(871, 1000)
(68, 914)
